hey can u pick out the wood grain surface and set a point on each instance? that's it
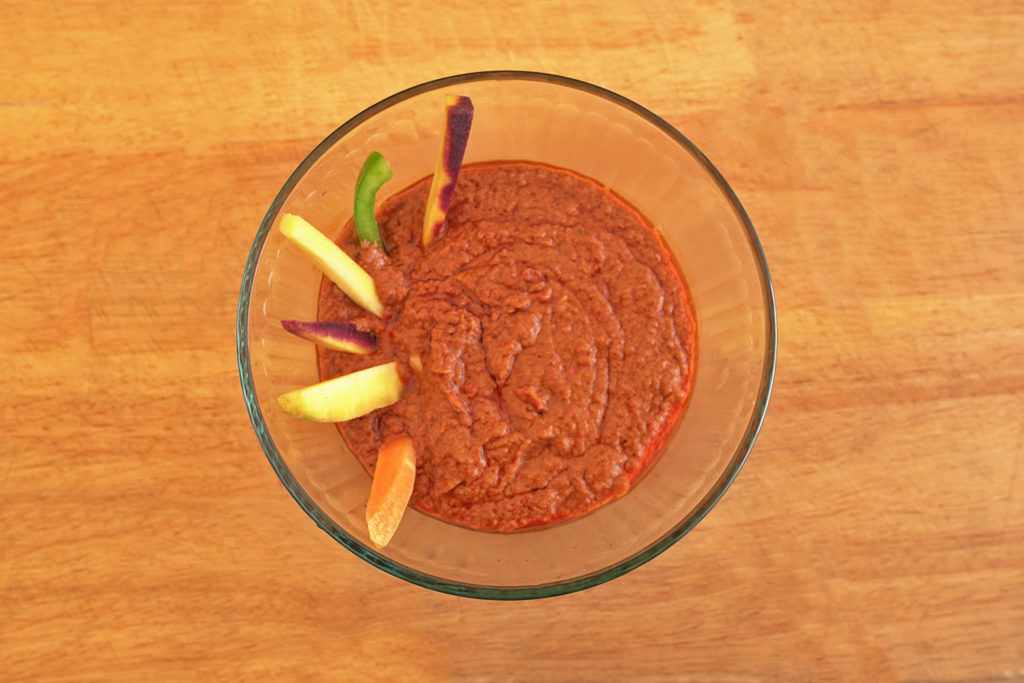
(877, 531)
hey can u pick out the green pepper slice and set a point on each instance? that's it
(375, 172)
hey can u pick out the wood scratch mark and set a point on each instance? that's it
(887, 105)
(30, 103)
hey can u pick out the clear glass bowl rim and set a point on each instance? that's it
(474, 590)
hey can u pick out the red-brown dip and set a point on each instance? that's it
(556, 342)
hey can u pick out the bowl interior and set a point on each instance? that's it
(583, 128)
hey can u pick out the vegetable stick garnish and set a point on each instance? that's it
(393, 479)
(338, 335)
(374, 173)
(458, 112)
(347, 397)
(335, 263)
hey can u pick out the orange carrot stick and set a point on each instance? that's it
(393, 480)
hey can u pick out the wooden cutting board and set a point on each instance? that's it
(877, 531)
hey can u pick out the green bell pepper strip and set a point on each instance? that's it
(375, 172)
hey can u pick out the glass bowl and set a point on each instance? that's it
(566, 123)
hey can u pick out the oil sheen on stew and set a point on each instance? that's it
(556, 339)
